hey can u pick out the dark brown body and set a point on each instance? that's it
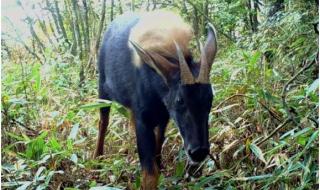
(154, 92)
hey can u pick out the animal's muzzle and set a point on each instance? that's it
(198, 154)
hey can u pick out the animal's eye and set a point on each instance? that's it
(180, 101)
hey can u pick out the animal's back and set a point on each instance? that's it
(117, 76)
(121, 69)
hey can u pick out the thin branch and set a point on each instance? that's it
(274, 131)
(19, 40)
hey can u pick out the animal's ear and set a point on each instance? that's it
(157, 62)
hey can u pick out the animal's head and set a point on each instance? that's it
(188, 95)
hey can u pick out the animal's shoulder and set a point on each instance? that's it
(157, 31)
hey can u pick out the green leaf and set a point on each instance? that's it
(104, 188)
(36, 147)
(303, 135)
(14, 183)
(25, 185)
(54, 144)
(14, 136)
(50, 175)
(205, 180)
(302, 140)
(44, 159)
(254, 59)
(253, 178)
(305, 131)
(43, 135)
(179, 169)
(314, 86)
(120, 109)
(74, 158)
(137, 183)
(38, 173)
(258, 152)
(36, 76)
(313, 137)
(96, 105)
(74, 131)
(224, 108)
(17, 101)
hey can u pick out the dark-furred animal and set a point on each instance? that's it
(146, 65)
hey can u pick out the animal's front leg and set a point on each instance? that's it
(159, 136)
(147, 154)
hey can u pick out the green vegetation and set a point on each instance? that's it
(263, 123)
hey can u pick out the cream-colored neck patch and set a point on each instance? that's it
(156, 31)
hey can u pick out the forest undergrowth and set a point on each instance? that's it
(263, 122)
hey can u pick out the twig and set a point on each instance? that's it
(284, 92)
(13, 120)
(274, 131)
(313, 120)
(215, 161)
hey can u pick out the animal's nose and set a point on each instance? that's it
(198, 154)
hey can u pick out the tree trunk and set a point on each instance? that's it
(196, 26)
(252, 15)
(132, 5)
(77, 30)
(5, 48)
(87, 34)
(218, 28)
(72, 27)
(148, 5)
(82, 32)
(111, 12)
(36, 38)
(275, 7)
(54, 16)
(154, 4)
(44, 29)
(60, 21)
(120, 7)
(255, 15)
(103, 14)
(206, 15)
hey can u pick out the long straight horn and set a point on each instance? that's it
(185, 73)
(208, 53)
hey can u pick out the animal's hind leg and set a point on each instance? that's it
(103, 124)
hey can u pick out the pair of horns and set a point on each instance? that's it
(208, 53)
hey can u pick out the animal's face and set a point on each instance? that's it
(189, 107)
(188, 98)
